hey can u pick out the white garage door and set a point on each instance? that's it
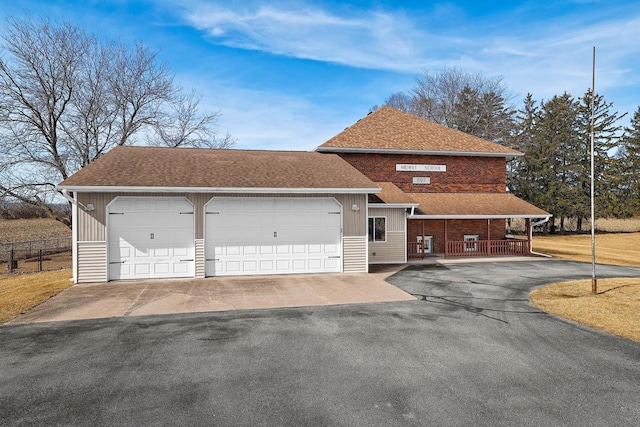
(245, 236)
(150, 237)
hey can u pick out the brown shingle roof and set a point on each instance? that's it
(391, 194)
(209, 168)
(391, 129)
(475, 204)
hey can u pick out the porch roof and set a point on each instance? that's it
(390, 194)
(474, 206)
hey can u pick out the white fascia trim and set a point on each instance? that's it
(417, 152)
(476, 216)
(74, 232)
(252, 190)
(393, 205)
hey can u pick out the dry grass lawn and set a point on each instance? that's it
(21, 292)
(615, 248)
(615, 309)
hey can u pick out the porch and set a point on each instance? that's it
(475, 248)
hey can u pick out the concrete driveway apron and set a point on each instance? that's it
(153, 297)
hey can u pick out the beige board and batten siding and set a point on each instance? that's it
(92, 263)
(393, 249)
(92, 224)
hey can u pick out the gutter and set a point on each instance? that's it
(533, 224)
(510, 155)
(247, 190)
(74, 232)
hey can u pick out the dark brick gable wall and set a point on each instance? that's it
(465, 174)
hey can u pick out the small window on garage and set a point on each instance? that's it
(377, 229)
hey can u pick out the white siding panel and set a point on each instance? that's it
(92, 262)
(199, 258)
(354, 252)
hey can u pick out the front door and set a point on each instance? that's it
(428, 244)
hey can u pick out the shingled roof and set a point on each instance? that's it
(392, 195)
(390, 130)
(210, 169)
(474, 205)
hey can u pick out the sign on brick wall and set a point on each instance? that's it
(421, 180)
(420, 168)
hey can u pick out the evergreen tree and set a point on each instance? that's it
(629, 167)
(606, 131)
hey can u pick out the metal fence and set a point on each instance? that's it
(35, 255)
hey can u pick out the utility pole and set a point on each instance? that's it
(594, 280)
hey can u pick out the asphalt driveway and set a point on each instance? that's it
(469, 350)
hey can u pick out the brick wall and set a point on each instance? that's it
(464, 173)
(456, 229)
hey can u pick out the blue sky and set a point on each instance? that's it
(291, 74)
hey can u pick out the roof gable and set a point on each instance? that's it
(214, 169)
(390, 130)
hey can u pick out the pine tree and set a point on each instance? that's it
(629, 162)
(606, 132)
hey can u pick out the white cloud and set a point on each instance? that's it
(539, 55)
(534, 53)
(371, 39)
(269, 120)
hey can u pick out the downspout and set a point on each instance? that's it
(74, 232)
(533, 224)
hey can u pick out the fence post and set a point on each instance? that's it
(11, 261)
(40, 260)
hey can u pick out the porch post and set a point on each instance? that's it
(423, 241)
(489, 236)
(529, 235)
(446, 240)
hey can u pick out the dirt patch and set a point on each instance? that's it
(614, 309)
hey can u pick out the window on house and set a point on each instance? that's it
(471, 247)
(377, 229)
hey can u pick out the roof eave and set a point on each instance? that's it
(252, 190)
(474, 216)
(393, 205)
(322, 149)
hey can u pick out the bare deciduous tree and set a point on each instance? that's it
(66, 98)
(472, 103)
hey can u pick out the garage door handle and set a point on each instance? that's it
(185, 260)
(186, 213)
(335, 256)
(212, 259)
(117, 262)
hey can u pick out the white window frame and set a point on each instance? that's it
(469, 242)
(371, 237)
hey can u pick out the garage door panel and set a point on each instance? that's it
(279, 235)
(151, 237)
